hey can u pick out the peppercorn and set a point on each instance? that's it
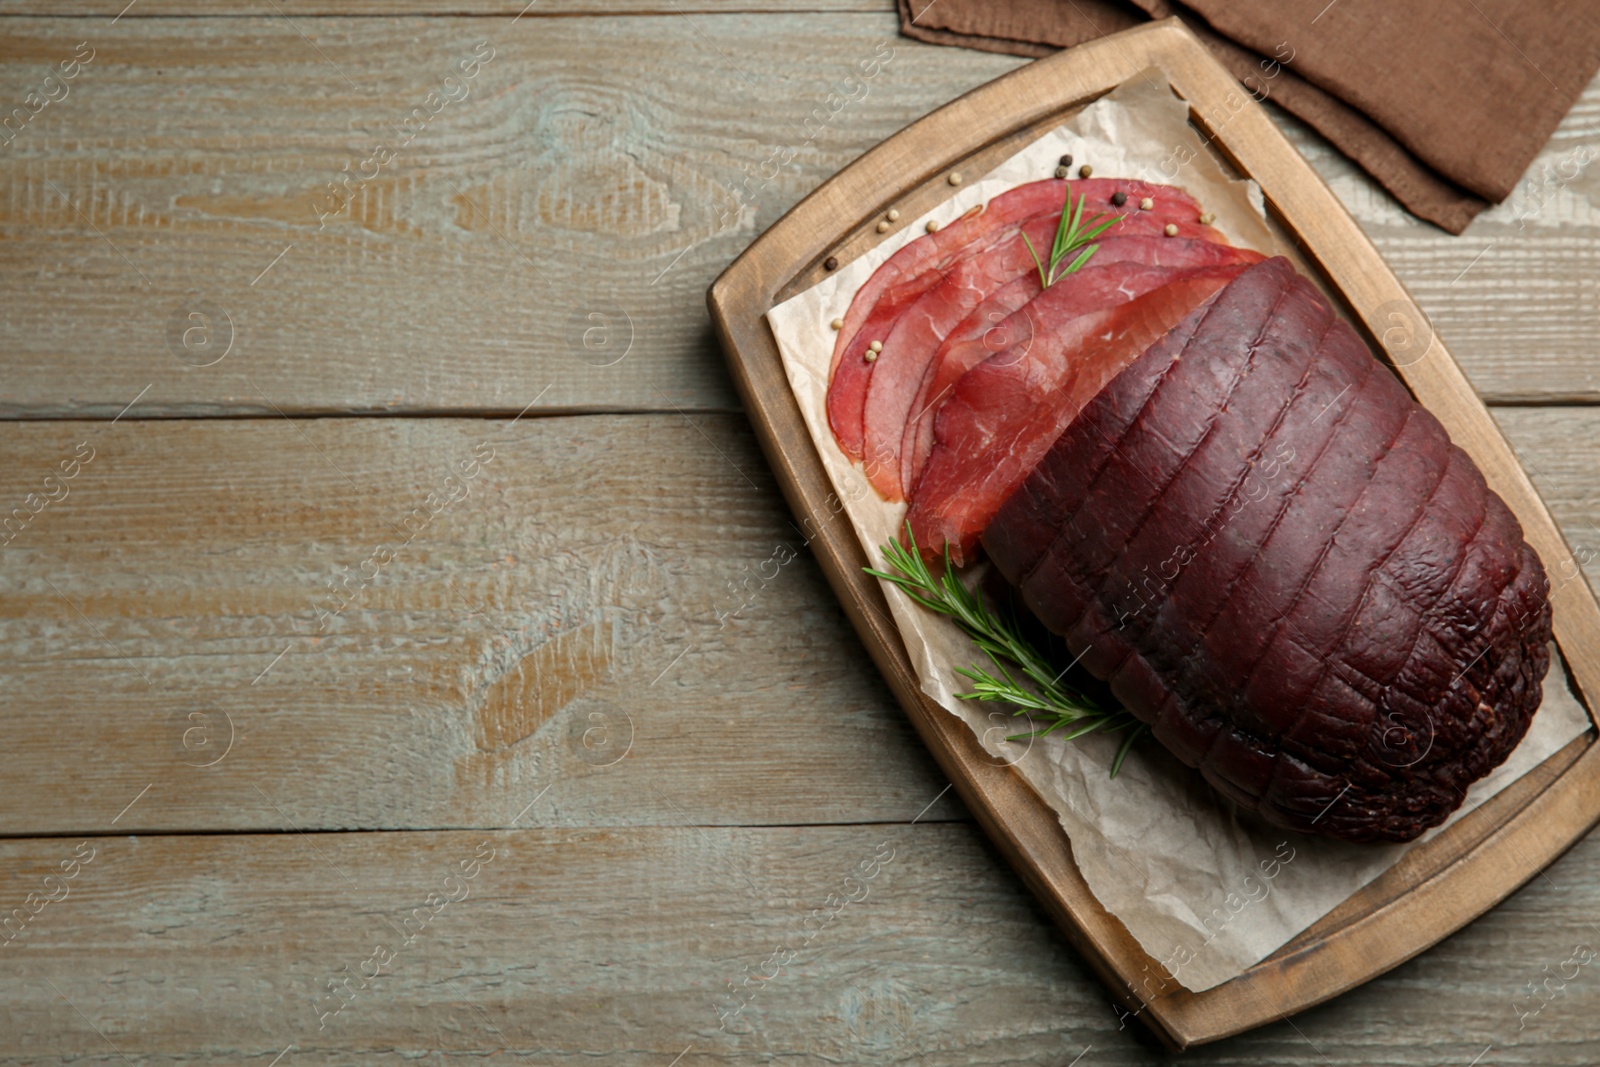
(1119, 198)
(831, 263)
(1085, 171)
(1066, 160)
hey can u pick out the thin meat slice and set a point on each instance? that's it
(921, 264)
(915, 337)
(905, 276)
(992, 326)
(901, 366)
(1004, 414)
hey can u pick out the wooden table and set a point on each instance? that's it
(401, 658)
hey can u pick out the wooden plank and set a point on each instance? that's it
(642, 945)
(1557, 448)
(467, 671)
(1514, 296)
(555, 229)
(601, 183)
(618, 609)
(1472, 865)
(100, 11)
(146, 478)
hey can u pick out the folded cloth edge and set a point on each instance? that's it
(1417, 187)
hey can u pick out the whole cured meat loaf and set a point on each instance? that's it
(1279, 561)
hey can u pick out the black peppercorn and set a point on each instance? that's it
(1119, 198)
(831, 263)
(1066, 160)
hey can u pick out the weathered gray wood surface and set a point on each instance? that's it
(636, 945)
(596, 166)
(669, 794)
(346, 8)
(216, 603)
(287, 586)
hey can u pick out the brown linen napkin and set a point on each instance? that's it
(1445, 103)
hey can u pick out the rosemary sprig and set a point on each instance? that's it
(1044, 697)
(1071, 234)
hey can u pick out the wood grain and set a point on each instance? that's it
(462, 678)
(596, 167)
(508, 9)
(596, 150)
(625, 944)
(1515, 297)
(1448, 880)
(492, 637)
(606, 146)
(677, 660)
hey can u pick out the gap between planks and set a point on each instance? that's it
(432, 13)
(489, 414)
(244, 414)
(943, 818)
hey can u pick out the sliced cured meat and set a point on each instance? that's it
(921, 264)
(991, 326)
(1280, 562)
(1004, 414)
(910, 346)
(905, 276)
(916, 335)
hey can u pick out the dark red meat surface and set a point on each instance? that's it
(972, 315)
(1004, 414)
(1280, 562)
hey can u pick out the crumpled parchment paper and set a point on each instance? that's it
(1205, 891)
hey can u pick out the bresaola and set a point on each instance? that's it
(905, 276)
(1343, 647)
(894, 377)
(993, 326)
(1203, 480)
(1003, 414)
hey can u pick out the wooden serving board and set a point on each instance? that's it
(1440, 885)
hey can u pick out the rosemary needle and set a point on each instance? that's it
(1071, 235)
(1044, 698)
